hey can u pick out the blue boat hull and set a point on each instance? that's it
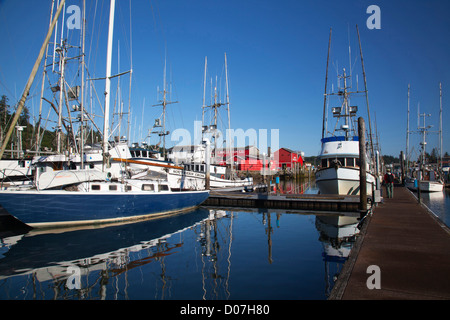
(64, 208)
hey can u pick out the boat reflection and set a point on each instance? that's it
(209, 254)
(87, 258)
(337, 235)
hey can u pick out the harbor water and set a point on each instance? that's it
(204, 254)
(438, 203)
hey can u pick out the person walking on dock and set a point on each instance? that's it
(389, 182)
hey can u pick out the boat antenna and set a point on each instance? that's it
(325, 93)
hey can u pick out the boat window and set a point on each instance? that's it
(148, 187)
(163, 187)
(202, 168)
(357, 162)
(196, 167)
(341, 161)
(95, 187)
(128, 188)
(324, 163)
(113, 187)
(350, 162)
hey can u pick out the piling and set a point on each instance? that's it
(362, 166)
(207, 164)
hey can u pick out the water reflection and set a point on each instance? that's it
(337, 235)
(204, 254)
(439, 203)
(96, 255)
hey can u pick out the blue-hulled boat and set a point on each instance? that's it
(98, 202)
(78, 196)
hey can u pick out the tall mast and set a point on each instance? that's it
(407, 133)
(325, 93)
(82, 86)
(367, 96)
(440, 122)
(164, 104)
(229, 140)
(204, 94)
(62, 62)
(108, 80)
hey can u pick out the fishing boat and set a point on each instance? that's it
(425, 177)
(188, 173)
(339, 171)
(91, 196)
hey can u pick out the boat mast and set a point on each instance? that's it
(407, 133)
(229, 138)
(108, 83)
(440, 123)
(367, 97)
(82, 85)
(347, 116)
(164, 104)
(325, 93)
(204, 95)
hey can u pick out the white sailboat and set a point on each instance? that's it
(91, 196)
(339, 157)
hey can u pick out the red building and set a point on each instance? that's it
(285, 158)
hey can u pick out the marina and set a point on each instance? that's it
(236, 253)
(203, 254)
(102, 200)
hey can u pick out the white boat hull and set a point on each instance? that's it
(342, 181)
(425, 186)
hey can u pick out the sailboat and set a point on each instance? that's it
(91, 196)
(339, 157)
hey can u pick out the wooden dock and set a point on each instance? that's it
(410, 246)
(308, 202)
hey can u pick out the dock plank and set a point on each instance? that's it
(409, 245)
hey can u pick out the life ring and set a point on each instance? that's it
(222, 177)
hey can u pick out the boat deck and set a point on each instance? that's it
(409, 245)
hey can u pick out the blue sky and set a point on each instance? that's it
(276, 53)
